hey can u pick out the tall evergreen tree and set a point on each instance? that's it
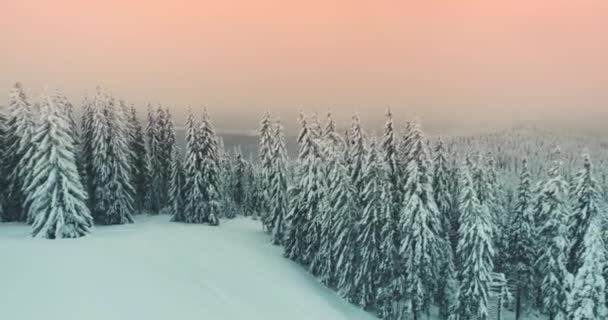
(212, 189)
(587, 300)
(553, 237)
(586, 198)
(3, 168)
(265, 154)
(278, 196)
(111, 170)
(306, 201)
(176, 184)
(20, 128)
(193, 189)
(443, 198)
(422, 247)
(475, 253)
(344, 231)
(55, 196)
(373, 201)
(521, 248)
(139, 162)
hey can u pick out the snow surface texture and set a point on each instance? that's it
(156, 269)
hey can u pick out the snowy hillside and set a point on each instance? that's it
(155, 269)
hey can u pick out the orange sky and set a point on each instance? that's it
(449, 61)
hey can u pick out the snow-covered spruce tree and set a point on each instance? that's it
(475, 253)
(19, 129)
(111, 170)
(86, 139)
(357, 153)
(265, 154)
(68, 108)
(443, 199)
(55, 196)
(586, 198)
(3, 156)
(278, 196)
(193, 176)
(176, 184)
(306, 200)
(587, 300)
(373, 202)
(210, 166)
(553, 245)
(422, 248)
(154, 154)
(521, 247)
(239, 182)
(139, 162)
(344, 247)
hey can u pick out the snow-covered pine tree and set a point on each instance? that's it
(344, 246)
(176, 184)
(19, 129)
(390, 162)
(443, 199)
(358, 154)
(86, 139)
(373, 202)
(587, 299)
(422, 247)
(239, 182)
(55, 195)
(3, 156)
(306, 200)
(210, 166)
(586, 198)
(193, 176)
(278, 196)
(265, 154)
(553, 245)
(475, 253)
(154, 154)
(111, 170)
(139, 162)
(521, 246)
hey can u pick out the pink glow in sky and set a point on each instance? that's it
(462, 61)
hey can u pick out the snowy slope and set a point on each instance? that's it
(156, 269)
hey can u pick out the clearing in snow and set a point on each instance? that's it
(156, 269)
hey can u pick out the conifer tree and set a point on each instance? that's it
(344, 247)
(111, 170)
(139, 162)
(210, 165)
(306, 201)
(265, 154)
(587, 300)
(19, 130)
(554, 244)
(475, 253)
(521, 248)
(55, 196)
(443, 198)
(176, 184)
(586, 198)
(193, 176)
(3, 169)
(240, 182)
(422, 248)
(373, 202)
(279, 202)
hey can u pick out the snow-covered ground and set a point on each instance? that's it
(156, 269)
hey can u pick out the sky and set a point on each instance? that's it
(454, 64)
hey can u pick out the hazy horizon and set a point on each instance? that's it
(478, 64)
